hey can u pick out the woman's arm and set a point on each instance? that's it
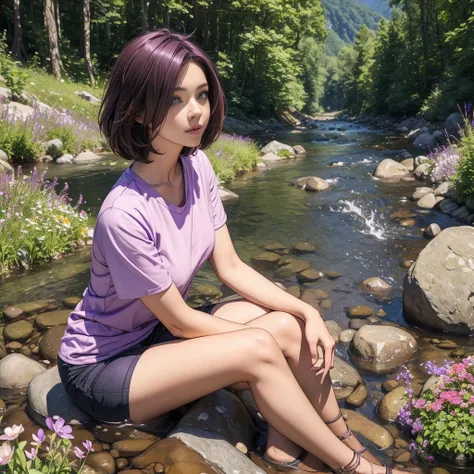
(250, 284)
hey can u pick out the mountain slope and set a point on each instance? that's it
(381, 6)
(346, 17)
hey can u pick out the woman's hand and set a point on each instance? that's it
(317, 335)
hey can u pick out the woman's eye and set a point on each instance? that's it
(203, 92)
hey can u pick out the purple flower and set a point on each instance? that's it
(6, 452)
(79, 453)
(88, 445)
(59, 427)
(31, 454)
(12, 433)
(417, 426)
(38, 437)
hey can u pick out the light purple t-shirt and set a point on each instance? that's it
(141, 245)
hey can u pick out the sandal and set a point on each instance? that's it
(354, 464)
(283, 466)
(366, 454)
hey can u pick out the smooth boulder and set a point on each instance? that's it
(391, 169)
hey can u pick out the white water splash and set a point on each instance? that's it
(332, 180)
(373, 228)
(366, 161)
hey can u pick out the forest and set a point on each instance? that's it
(272, 55)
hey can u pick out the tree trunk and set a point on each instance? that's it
(50, 23)
(57, 18)
(17, 32)
(143, 15)
(87, 39)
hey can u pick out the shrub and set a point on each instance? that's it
(36, 223)
(49, 454)
(284, 153)
(232, 155)
(465, 171)
(445, 161)
(15, 77)
(442, 418)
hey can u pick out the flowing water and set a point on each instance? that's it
(349, 223)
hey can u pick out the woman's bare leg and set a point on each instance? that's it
(172, 374)
(288, 331)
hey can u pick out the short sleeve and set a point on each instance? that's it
(218, 213)
(133, 261)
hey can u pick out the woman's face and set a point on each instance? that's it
(190, 108)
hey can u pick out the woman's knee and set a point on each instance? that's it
(260, 346)
(288, 332)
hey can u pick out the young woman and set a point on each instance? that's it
(133, 348)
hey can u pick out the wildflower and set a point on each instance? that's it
(38, 438)
(79, 453)
(31, 454)
(12, 433)
(59, 427)
(88, 445)
(6, 452)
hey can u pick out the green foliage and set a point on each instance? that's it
(36, 223)
(18, 142)
(285, 153)
(465, 170)
(15, 77)
(231, 156)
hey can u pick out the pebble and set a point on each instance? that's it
(407, 263)
(447, 345)
(159, 468)
(390, 385)
(18, 331)
(308, 276)
(357, 323)
(52, 319)
(102, 461)
(50, 342)
(71, 301)
(358, 397)
(400, 443)
(459, 352)
(360, 312)
(13, 346)
(407, 222)
(381, 313)
(435, 341)
(347, 335)
(326, 304)
(294, 290)
(333, 275)
(114, 453)
(402, 455)
(373, 320)
(121, 463)
(13, 312)
(129, 448)
(304, 247)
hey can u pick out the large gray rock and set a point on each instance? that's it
(54, 147)
(381, 348)
(86, 157)
(213, 426)
(423, 171)
(453, 122)
(438, 290)
(274, 146)
(87, 96)
(390, 169)
(425, 140)
(344, 376)
(227, 194)
(46, 396)
(20, 111)
(17, 371)
(390, 405)
(65, 159)
(428, 201)
(311, 183)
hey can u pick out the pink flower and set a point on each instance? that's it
(31, 454)
(38, 437)
(79, 453)
(88, 445)
(59, 427)
(12, 433)
(6, 452)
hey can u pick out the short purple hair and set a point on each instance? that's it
(142, 81)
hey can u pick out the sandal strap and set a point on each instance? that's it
(345, 435)
(335, 419)
(301, 457)
(349, 468)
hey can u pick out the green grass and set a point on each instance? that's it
(61, 95)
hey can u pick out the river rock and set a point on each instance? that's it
(304, 247)
(420, 192)
(357, 323)
(18, 331)
(428, 201)
(383, 347)
(103, 461)
(332, 275)
(425, 140)
(50, 342)
(215, 435)
(71, 301)
(86, 157)
(390, 169)
(334, 329)
(46, 396)
(227, 195)
(358, 397)
(432, 230)
(408, 163)
(438, 288)
(360, 312)
(265, 260)
(448, 205)
(375, 285)
(276, 247)
(370, 430)
(274, 146)
(312, 296)
(65, 159)
(3, 156)
(52, 319)
(453, 123)
(20, 111)
(423, 171)
(311, 183)
(442, 189)
(54, 147)
(299, 150)
(129, 448)
(390, 385)
(347, 335)
(12, 312)
(391, 403)
(294, 290)
(273, 157)
(35, 307)
(461, 214)
(344, 375)
(408, 222)
(17, 371)
(308, 276)
(325, 304)
(291, 268)
(5, 166)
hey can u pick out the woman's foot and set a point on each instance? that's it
(360, 465)
(309, 463)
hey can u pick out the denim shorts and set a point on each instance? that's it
(102, 389)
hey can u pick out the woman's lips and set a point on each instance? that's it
(196, 131)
